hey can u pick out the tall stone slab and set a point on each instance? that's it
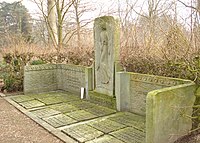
(106, 40)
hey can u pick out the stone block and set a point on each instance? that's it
(106, 41)
(59, 120)
(40, 78)
(167, 111)
(106, 125)
(130, 135)
(82, 132)
(106, 139)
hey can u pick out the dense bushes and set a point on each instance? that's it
(13, 70)
(12, 66)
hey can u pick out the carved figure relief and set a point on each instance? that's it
(103, 67)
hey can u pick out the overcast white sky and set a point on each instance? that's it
(107, 4)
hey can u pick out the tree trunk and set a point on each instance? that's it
(76, 5)
(52, 27)
(198, 6)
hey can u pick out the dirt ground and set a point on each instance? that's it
(15, 127)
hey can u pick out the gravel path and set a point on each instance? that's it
(15, 127)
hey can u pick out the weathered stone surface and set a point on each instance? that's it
(22, 98)
(166, 113)
(106, 125)
(106, 38)
(40, 78)
(100, 111)
(41, 95)
(50, 100)
(46, 112)
(134, 87)
(74, 77)
(40, 67)
(129, 119)
(68, 98)
(31, 104)
(81, 115)
(59, 120)
(130, 135)
(63, 107)
(49, 77)
(82, 104)
(82, 133)
(105, 139)
(102, 99)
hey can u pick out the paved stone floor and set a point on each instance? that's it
(75, 120)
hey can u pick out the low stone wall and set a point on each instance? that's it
(40, 78)
(51, 77)
(165, 102)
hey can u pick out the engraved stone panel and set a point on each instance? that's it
(129, 135)
(50, 77)
(106, 125)
(81, 115)
(31, 104)
(105, 139)
(50, 100)
(74, 77)
(22, 98)
(139, 91)
(68, 98)
(40, 67)
(100, 111)
(63, 107)
(82, 104)
(157, 80)
(129, 119)
(106, 39)
(82, 133)
(59, 120)
(46, 112)
(140, 85)
(41, 95)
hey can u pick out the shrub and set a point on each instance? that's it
(38, 62)
(14, 70)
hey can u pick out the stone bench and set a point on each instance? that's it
(164, 102)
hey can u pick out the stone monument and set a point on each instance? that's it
(106, 40)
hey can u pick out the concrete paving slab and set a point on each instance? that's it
(129, 135)
(130, 119)
(105, 139)
(22, 98)
(41, 95)
(106, 125)
(31, 104)
(81, 115)
(63, 107)
(82, 104)
(100, 111)
(46, 112)
(78, 120)
(82, 133)
(50, 100)
(59, 120)
(68, 98)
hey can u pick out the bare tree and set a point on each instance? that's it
(51, 21)
(80, 8)
(54, 18)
